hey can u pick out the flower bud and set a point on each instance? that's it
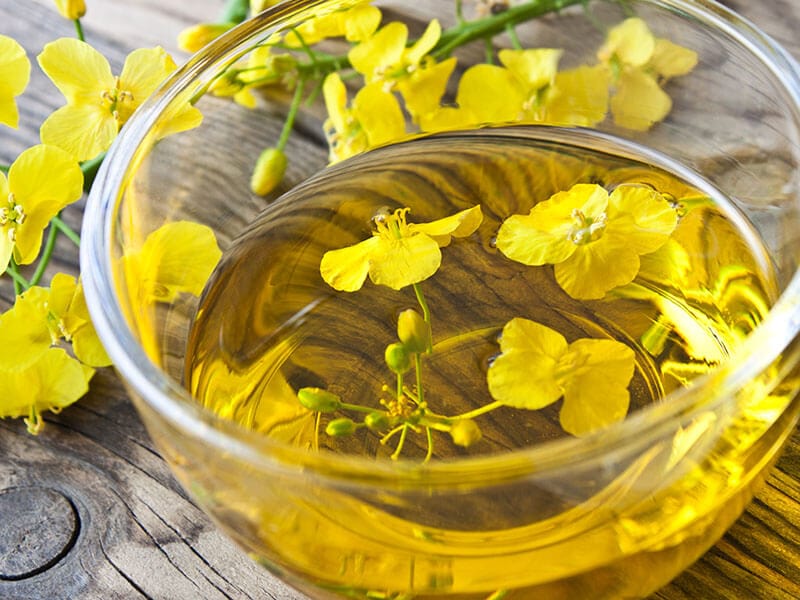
(414, 332)
(377, 420)
(71, 9)
(256, 6)
(197, 36)
(340, 427)
(268, 172)
(397, 358)
(319, 400)
(465, 432)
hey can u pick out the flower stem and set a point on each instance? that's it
(288, 124)
(89, 169)
(5, 168)
(20, 283)
(79, 30)
(235, 11)
(426, 313)
(47, 253)
(66, 230)
(418, 373)
(479, 411)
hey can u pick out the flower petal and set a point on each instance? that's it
(672, 60)
(642, 216)
(83, 130)
(424, 44)
(15, 71)
(144, 70)
(534, 67)
(639, 102)
(335, 95)
(459, 225)
(346, 269)
(491, 93)
(597, 267)
(79, 71)
(360, 22)
(382, 51)
(380, 115)
(397, 263)
(596, 391)
(521, 239)
(423, 89)
(524, 375)
(631, 42)
(578, 97)
(24, 334)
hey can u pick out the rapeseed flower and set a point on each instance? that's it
(15, 72)
(593, 238)
(537, 366)
(399, 253)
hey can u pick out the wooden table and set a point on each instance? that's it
(89, 510)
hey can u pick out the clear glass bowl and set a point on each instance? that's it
(613, 514)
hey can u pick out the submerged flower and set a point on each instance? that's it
(399, 253)
(15, 71)
(640, 64)
(98, 103)
(42, 181)
(373, 119)
(594, 239)
(537, 366)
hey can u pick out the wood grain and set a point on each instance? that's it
(111, 522)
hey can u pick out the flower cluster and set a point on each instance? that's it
(404, 82)
(49, 347)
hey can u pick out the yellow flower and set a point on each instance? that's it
(399, 253)
(356, 23)
(71, 9)
(375, 118)
(15, 71)
(537, 366)
(24, 330)
(98, 103)
(578, 97)
(385, 56)
(594, 239)
(641, 63)
(41, 182)
(53, 381)
(197, 36)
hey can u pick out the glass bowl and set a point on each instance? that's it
(593, 420)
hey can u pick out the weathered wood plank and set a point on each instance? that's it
(134, 532)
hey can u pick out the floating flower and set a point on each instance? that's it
(42, 181)
(375, 118)
(640, 64)
(15, 71)
(537, 366)
(399, 253)
(98, 103)
(594, 239)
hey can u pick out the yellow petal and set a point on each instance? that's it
(361, 21)
(424, 44)
(380, 52)
(24, 334)
(639, 102)
(631, 42)
(641, 217)
(379, 114)
(423, 89)
(521, 239)
(200, 35)
(335, 95)
(671, 60)
(178, 257)
(446, 118)
(459, 225)
(524, 375)
(62, 293)
(397, 263)
(83, 130)
(79, 71)
(596, 268)
(15, 70)
(578, 97)
(491, 93)
(596, 391)
(71, 9)
(535, 67)
(144, 70)
(6, 246)
(88, 348)
(346, 269)
(43, 179)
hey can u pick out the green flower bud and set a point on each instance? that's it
(340, 427)
(268, 172)
(397, 358)
(318, 399)
(465, 432)
(414, 332)
(377, 420)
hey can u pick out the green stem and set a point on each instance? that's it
(89, 169)
(429, 453)
(20, 283)
(47, 253)
(235, 11)
(426, 313)
(288, 124)
(79, 30)
(401, 442)
(512, 35)
(5, 168)
(479, 411)
(66, 230)
(418, 373)
(356, 407)
(399, 385)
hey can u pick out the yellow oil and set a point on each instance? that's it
(269, 325)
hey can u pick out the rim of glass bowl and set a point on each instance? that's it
(174, 404)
